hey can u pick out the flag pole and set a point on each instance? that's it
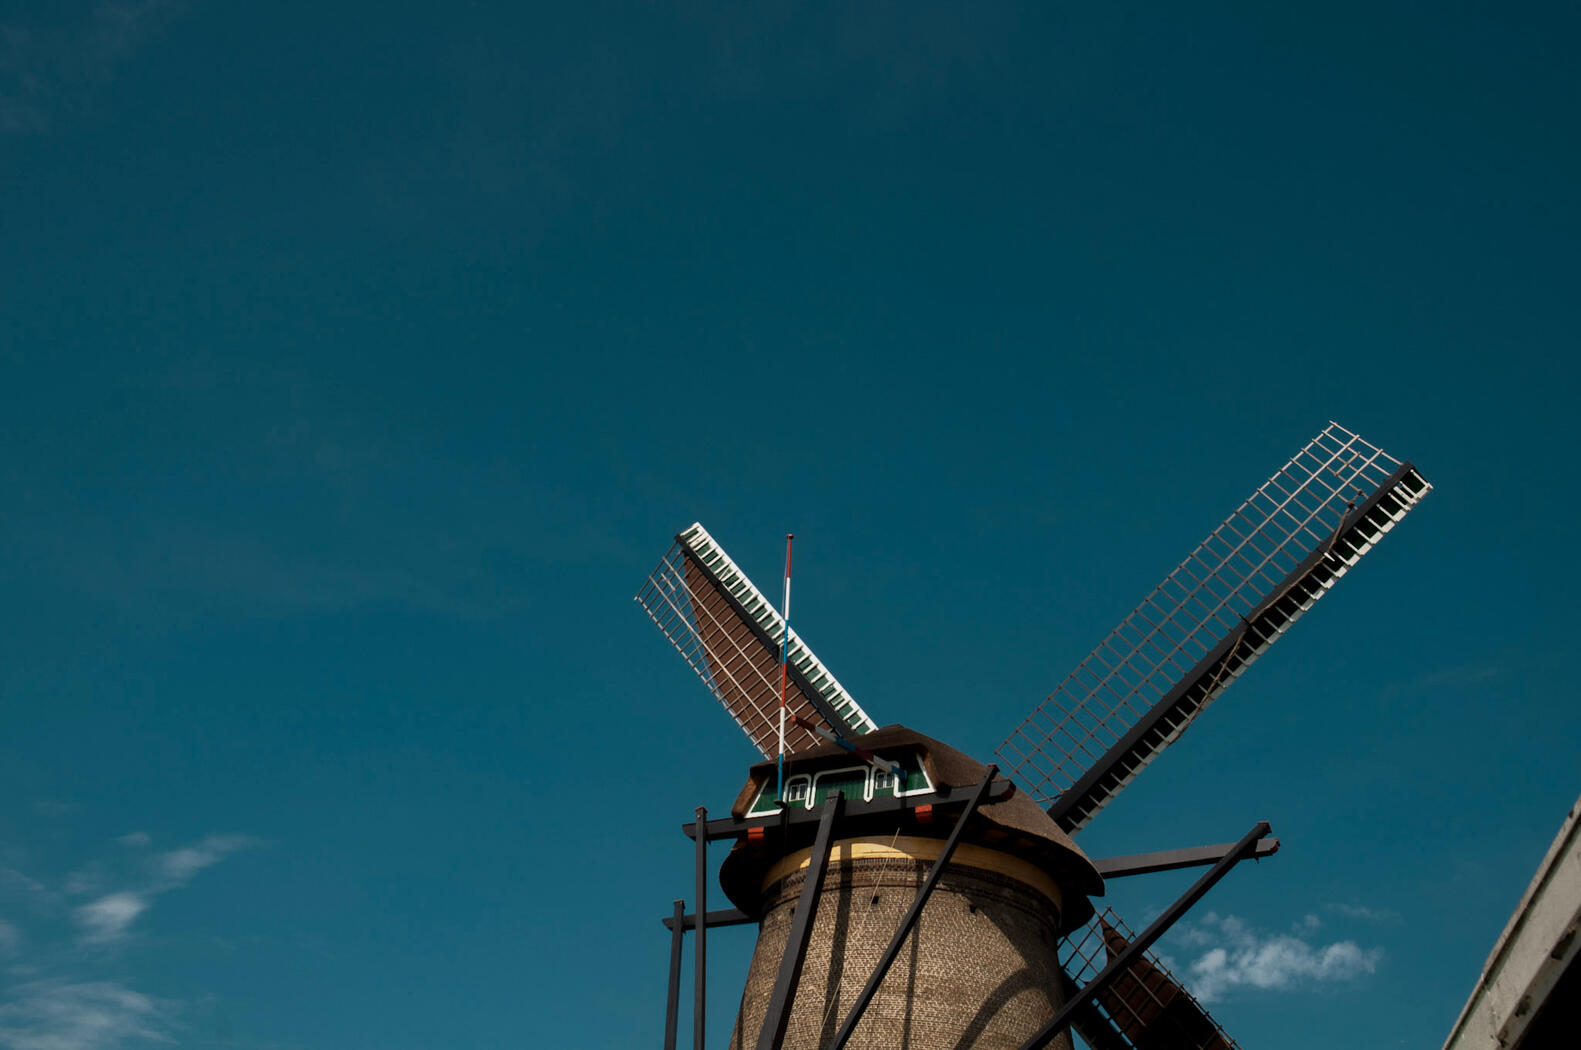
(784, 666)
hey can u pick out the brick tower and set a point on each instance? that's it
(979, 969)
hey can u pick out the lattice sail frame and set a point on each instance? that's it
(729, 633)
(1232, 597)
(1145, 1006)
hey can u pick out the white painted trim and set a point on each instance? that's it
(867, 780)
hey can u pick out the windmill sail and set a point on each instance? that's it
(729, 633)
(1090, 1022)
(1277, 554)
(1145, 1007)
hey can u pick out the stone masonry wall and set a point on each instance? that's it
(979, 970)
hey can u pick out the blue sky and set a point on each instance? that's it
(360, 360)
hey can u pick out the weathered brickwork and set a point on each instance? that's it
(979, 971)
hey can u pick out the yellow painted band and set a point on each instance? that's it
(910, 847)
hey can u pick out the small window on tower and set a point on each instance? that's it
(796, 790)
(883, 781)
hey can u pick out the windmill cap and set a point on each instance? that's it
(1016, 825)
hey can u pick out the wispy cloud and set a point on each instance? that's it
(18, 886)
(10, 939)
(163, 570)
(47, 72)
(53, 808)
(90, 1015)
(1365, 914)
(1454, 678)
(177, 867)
(85, 881)
(19, 883)
(58, 946)
(1232, 955)
(109, 918)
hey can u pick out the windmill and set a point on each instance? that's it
(909, 896)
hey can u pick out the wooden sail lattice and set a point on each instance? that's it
(1233, 596)
(1145, 1008)
(729, 633)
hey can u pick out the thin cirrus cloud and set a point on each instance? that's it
(45, 73)
(1364, 913)
(62, 996)
(81, 1015)
(109, 918)
(178, 866)
(1231, 956)
(10, 939)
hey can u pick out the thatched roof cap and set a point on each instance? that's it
(1016, 825)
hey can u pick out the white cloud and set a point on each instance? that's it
(178, 866)
(1357, 911)
(1238, 956)
(92, 1015)
(19, 885)
(10, 939)
(110, 917)
(1455, 678)
(52, 996)
(54, 809)
(84, 881)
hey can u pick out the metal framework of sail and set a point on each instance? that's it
(1146, 1008)
(1232, 597)
(730, 634)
